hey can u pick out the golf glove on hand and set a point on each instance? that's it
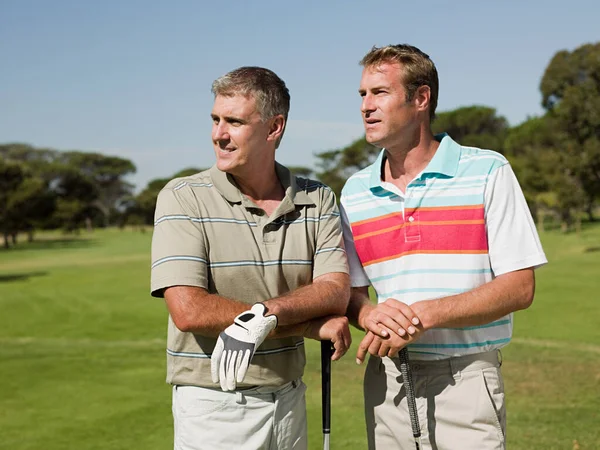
(236, 346)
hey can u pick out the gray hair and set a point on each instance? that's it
(270, 93)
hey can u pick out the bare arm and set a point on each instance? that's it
(193, 309)
(327, 295)
(392, 325)
(505, 294)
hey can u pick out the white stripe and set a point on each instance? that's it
(177, 258)
(185, 183)
(261, 263)
(204, 219)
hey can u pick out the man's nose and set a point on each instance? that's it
(367, 104)
(220, 132)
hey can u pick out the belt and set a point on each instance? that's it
(457, 364)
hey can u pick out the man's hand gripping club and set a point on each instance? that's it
(237, 344)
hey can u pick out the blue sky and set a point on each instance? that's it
(132, 78)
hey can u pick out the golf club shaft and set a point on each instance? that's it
(326, 390)
(410, 396)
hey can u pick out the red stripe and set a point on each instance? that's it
(455, 238)
(430, 214)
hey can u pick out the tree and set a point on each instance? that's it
(77, 196)
(107, 174)
(11, 177)
(545, 171)
(336, 166)
(475, 126)
(571, 94)
(141, 209)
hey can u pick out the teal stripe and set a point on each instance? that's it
(445, 187)
(478, 166)
(430, 271)
(474, 344)
(424, 353)
(278, 262)
(478, 327)
(454, 200)
(407, 291)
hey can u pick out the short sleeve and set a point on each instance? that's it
(179, 250)
(358, 276)
(513, 240)
(330, 255)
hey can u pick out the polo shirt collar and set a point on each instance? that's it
(445, 161)
(226, 185)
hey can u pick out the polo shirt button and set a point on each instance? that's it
(411, 219)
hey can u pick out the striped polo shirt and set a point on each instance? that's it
(461, 222)
(208, 234)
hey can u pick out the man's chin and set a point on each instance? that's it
(224, 166)
(374, 140)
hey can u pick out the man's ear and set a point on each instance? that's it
(276, 128)
(422, 98)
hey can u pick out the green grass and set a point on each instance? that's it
(82, 360)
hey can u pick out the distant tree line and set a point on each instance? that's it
(48, 189)
(556, 158)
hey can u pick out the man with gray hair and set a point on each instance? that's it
(250, 260)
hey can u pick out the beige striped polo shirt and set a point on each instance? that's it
(208, 234)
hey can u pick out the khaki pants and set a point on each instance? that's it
(460, 404)
(264, 418)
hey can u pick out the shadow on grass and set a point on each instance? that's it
(50, 244)
(20, 276)
(592, 249)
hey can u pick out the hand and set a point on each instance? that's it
(334, 329)
(391, 317)
(381, 347)
(236, 346)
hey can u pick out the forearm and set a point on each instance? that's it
(195, 310)
(327, 295)
(358, 306)
(503, 295)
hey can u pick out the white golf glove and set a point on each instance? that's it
(236, 346)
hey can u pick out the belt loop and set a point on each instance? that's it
(240, 399)
(455, 368)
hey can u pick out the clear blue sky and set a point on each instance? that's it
(132, 77)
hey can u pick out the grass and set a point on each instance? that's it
(82, 360)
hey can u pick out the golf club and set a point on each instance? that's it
(326, 390)
(410, 396)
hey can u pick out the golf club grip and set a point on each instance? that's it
(410, 392)
(326, 384)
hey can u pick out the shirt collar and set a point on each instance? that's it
(228, 188)
(444, 161)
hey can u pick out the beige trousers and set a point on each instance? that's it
(460, 404)
(264, 418)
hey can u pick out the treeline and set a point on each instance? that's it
(49, 189)
(556, 158)
(69, 190)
